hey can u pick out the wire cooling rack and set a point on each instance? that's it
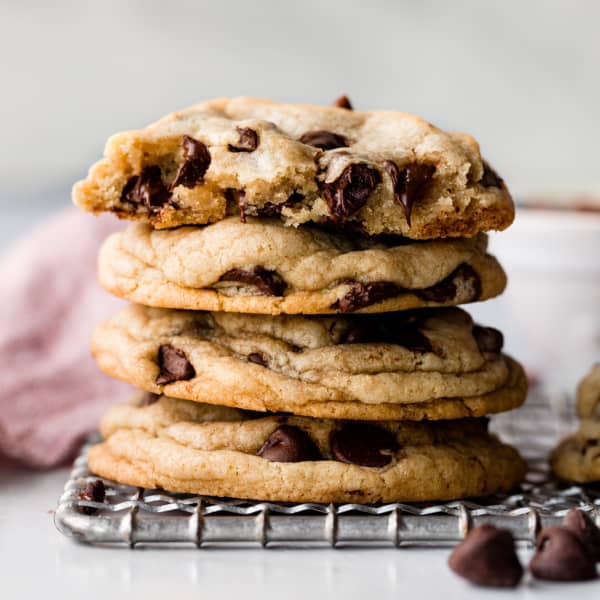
(137, 516)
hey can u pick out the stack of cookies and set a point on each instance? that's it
(294, 273)
(577, 457)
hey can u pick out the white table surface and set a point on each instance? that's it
(38, 562)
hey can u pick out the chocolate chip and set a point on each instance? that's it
(174, 365)
(490, 178)
(274, 210)
(487, 557)
(464, 277)
(148, 398)
(342, 102)
(394, 328)
(289, 444)
(365, 294)
(268, 282)
(196, 160)
(363, 444)
(326, 140)
(561, 556)
(581, 524)
(94, 492)
(488, 339)
(350, 191)
(257, 358)
(248, 141)
(237, 197)
(410, 184)
(147, 189)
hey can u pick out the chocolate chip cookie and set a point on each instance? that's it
(183, 446)
(378, 172)
(577, 457)
(263, 267)
(429, 363)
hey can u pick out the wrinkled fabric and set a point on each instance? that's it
(51, 392)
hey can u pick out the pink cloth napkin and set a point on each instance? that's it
(51, 392)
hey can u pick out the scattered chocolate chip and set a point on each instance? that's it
(248, 141)
(148, 398)
(561, 556)
(196, 160)
(487, 557)
(147, 189)
(363, 444)
(490, 178)
(464, 277)
(581, 524)
(257, 358)
(488, 339)
(350, 191)
(289, 444)
(268, 282)
(94, 492)
(174, 365)
(325, 140)
(410, 184)
(343, 102)
(365, 294)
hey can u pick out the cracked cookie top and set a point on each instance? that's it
(378, 172)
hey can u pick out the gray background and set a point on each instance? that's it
(520, 76)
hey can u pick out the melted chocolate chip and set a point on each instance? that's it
(350, 191)
(363, 444)
(365, 294)
(94, 492)
(289, 444)
(395, 328)
(174, 365)
(581, 524)
(147, 189)
(274, 210)
(487, 557)
(343, 102)
(196, 160)
(148, 398)
(561, 556)
(257, 358)
(325, 140)
(490, 178)
(238, 197)
(248, 141)
(268, 282)
(447, 290)
(488, 339)
(410, 184)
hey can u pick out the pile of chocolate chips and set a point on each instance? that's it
(487, 556)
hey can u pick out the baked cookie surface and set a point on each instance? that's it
(425, 364)
(183, 446)
(380, 172)
(263, 267)
(577, 457)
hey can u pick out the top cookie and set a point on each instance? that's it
(379, 172)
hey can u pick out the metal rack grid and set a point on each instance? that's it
(131, 516)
